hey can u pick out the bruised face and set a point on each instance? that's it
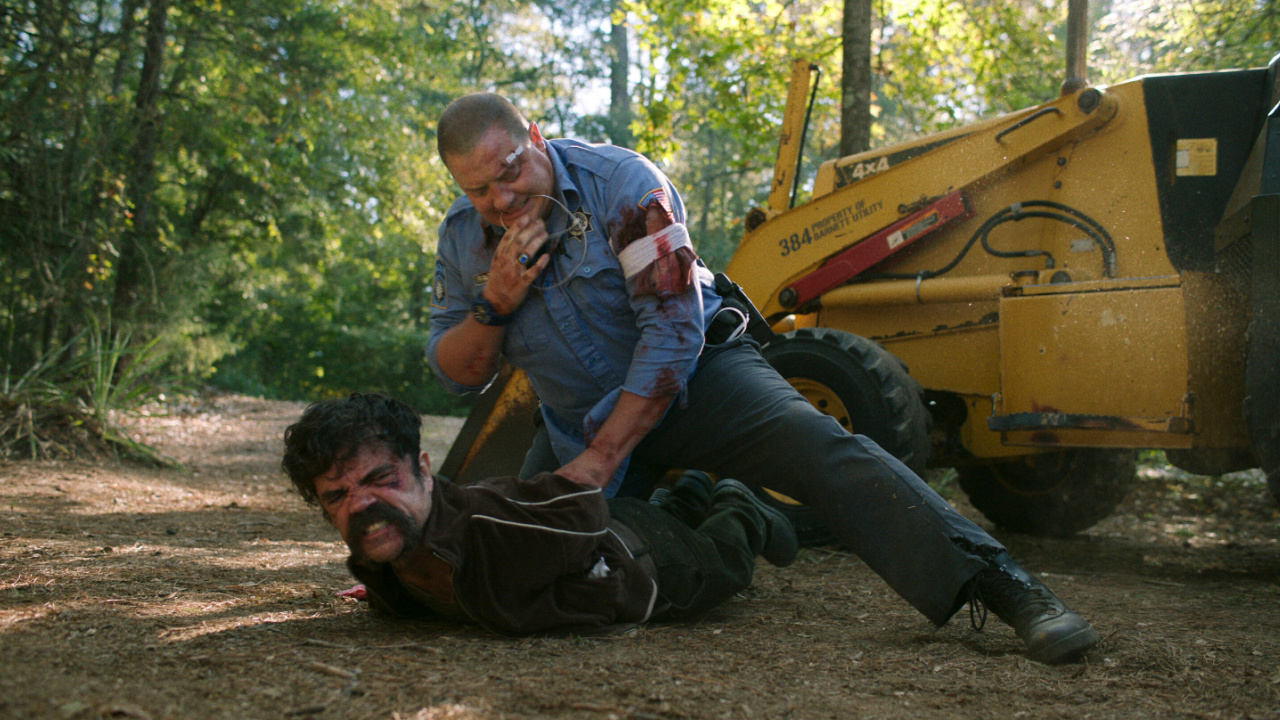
(378, 501)
(503, 176)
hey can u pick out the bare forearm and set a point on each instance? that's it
(468, 352)
(632, 418)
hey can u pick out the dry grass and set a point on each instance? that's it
(206, 592)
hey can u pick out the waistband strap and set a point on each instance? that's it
(727, 324)
(639, 550)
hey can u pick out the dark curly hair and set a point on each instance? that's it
(332, 432)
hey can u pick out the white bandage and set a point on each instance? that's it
(642, 253)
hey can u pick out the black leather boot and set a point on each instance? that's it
(780, 545)
(688, 499)
(1052, 632)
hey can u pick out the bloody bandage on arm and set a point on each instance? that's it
(659, 263)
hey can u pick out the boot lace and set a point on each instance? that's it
(1005, 593)
(977, 608)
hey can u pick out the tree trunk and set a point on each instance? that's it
(142, 161)
(855, 85)
(619, 93)
(127, 24)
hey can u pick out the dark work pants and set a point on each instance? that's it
(742, 420)
(703, 556)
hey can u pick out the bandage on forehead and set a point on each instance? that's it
(642, 253)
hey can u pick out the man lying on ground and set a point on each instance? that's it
(520, 556)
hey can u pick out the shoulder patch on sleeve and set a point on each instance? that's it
(439, 287)
(657, 195)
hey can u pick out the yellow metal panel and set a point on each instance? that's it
(1110, 177)
(1121, 354)
(1107, 174)
(962, 361)
(795, 242)
(952, 347)
(885, 323)
(829, 173)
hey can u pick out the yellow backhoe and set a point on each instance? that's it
(1029, 299)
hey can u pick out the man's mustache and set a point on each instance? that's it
(358, 524)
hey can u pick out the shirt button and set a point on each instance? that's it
(587, 269)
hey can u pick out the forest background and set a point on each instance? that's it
(245, 193)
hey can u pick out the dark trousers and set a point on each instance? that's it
(703, 555)
(740, 419)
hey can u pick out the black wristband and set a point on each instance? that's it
(484, 313)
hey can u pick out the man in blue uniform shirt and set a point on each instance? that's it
(572, 261)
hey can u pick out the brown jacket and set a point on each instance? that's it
(520, 557)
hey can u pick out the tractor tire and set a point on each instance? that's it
(1054, 494)
(865, 388)
(1211, 461)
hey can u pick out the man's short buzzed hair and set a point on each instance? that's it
(468, 118)
(331, 432)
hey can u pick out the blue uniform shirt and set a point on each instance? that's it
(581, 335)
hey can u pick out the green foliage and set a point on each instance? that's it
(20, 396)
(305, 358)
(940, 63)
(1141, 36)
(64, 403)
(281, 125)
(118, 374)
(711, 96)
(250, 188)
(341, 318)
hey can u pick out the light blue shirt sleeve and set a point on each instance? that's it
(671, 327)
(455, 284)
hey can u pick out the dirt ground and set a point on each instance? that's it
(207, 592)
